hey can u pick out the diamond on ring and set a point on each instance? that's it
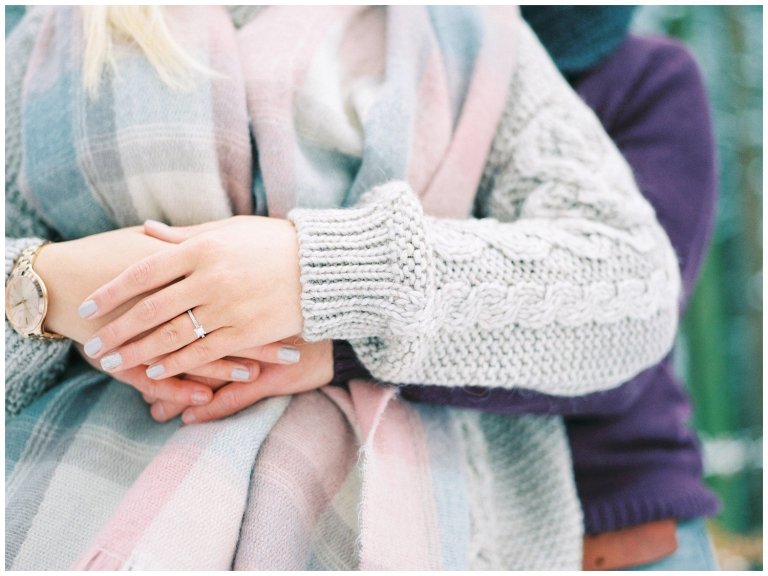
(199, 330)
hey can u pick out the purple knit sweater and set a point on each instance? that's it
(635, 459)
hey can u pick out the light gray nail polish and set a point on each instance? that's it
(93, 346)
(289, 354)
(200, 397)
(240, 374)
(111, 361)
(155, 371)
(87, 308)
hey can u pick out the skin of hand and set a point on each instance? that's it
(314, 370)
(73, 269)
(240, 276)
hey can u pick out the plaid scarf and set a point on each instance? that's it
(337, 100)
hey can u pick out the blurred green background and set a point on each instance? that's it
(721, 344)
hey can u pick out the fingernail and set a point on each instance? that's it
(155, 371)
(93, 346)
(240, 374)
(289, 354)
(159, 412)
(155, 224)
(200, 397)
(111, 361)
(188, 418)
(87, 308)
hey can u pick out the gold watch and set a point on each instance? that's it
(26, 297)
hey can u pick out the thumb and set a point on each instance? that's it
(176, 234)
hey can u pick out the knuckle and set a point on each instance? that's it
(169, 336)
(131, 355)
(201, 351)
(152, 389)
(141, 272)
(230, 401)
(148, 309)
(209, 246)
(205, 413)
(111, 293)
(219, 276)
(179, 396)
(112, 333)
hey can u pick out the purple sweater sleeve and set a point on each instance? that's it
(650, 98)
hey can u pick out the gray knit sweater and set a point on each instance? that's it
(565, 283)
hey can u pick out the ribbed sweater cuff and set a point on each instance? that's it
(634, 509)
(363, 269)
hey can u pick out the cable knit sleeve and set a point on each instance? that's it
(31, 366)
(565, 285)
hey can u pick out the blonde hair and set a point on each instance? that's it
(142, 25)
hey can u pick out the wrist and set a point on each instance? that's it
(73, 269)
(293, 276)
(52, 265)
(365, 271)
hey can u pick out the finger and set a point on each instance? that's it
(275, 353)
(228, 369)
(177, 234)
(199, 353)
(169, 337)
(210, 382)
(226, 401)
(139, 278)
(162, 316)
(170, 389)
(274, 380)
(162, 410)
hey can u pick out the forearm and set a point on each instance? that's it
(571, 288)
(651, 101)
(458, 321)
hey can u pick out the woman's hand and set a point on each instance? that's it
(195, 387)
(240, 276)
(313, 370)
(73, 269)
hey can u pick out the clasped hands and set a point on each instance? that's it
(240, 277)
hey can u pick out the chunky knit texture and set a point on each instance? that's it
(544, 232)
(566, 285)
(80, 474)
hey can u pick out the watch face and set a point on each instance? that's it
(24, 303)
